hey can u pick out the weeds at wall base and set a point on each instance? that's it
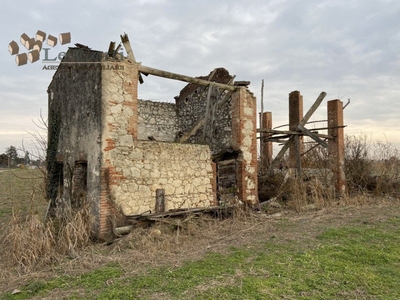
(33, 243)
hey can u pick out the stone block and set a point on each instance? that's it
(126, 140)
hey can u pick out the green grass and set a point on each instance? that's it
(18, 188)
(361, 261)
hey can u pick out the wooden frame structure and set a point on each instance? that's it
(293, 138)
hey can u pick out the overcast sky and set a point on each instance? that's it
(349, 49)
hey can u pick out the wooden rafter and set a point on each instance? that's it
(180, 77)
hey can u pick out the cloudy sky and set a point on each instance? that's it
(349, 49)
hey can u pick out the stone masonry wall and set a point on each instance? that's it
(192, 106)
(157, 119)
(184, 171)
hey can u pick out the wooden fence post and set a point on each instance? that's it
(336, 146)
(160, 201)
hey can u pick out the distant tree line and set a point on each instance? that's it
(11, 159)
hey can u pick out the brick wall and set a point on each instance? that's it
(244, 125)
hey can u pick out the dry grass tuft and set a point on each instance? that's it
(33, 243)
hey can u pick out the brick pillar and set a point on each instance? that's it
(244, 138)
(336, 146)
(106, 209)
(120, 118)
(266, 149)
(295, 117)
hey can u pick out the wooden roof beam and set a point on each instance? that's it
(165, 74)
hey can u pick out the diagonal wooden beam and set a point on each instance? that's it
(312, 135)
(208, 106)
(128, 48)
(303, 122)
(201, 122)
(127, 44)
(193, 130)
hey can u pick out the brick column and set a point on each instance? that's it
(266, 149)
(244, 138)
(336, 146)
(295, 117)
(120, 117)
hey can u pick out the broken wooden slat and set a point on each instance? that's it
(178, 212)
(129, 51)
(111, 49)
(128, 48)
(242, 83)
(274, 131)
(330, 127)
(285, 136)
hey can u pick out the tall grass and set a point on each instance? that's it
(29, 241)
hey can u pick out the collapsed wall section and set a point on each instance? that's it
(195, 103)
(184, 171)
(158, 120)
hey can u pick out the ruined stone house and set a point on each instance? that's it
(109, 147)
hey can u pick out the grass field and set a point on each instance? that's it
(344, 252)
(21, 189)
